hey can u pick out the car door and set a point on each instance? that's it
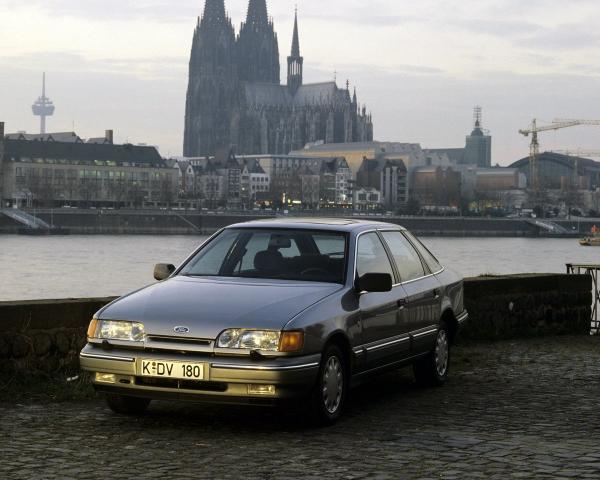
(382, 316)
(422, 310)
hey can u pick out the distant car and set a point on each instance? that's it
(277, 310)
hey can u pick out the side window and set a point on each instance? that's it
(371, 256)
(407, 259)
(430, 260)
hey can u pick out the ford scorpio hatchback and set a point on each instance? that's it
(270, 311)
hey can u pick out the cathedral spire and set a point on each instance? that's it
(295, 61)
(296, 38)
(257, 13)
(214, 12)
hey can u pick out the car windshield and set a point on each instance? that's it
(314, 256)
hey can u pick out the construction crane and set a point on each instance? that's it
(534, 149)
(580, 153)
(576, 121)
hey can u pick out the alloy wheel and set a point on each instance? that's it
(333, 384)
(442, 350)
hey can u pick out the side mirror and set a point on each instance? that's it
(162, 271)
(374, 282)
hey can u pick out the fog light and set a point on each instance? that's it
(106, 378)
(261, 389)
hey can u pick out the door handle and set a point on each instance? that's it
(402, 303)
(436, 294)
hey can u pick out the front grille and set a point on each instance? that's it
(181, 384)
(179, 340)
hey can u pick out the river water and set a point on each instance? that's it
(94, 266)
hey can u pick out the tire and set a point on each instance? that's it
(331, 391)
(127, 405)
(433, 370)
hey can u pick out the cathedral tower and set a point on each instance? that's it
(235, 97)
(213, 85)
(295, 61)
(257, 46)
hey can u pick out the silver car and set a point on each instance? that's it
(270, 311)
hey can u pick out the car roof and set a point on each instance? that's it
(330, 224)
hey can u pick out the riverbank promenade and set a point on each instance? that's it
(189, 222)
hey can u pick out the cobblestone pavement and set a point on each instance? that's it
(512, 410)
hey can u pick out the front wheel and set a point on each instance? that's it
(433, 369)
(127, 405)
(331, 390)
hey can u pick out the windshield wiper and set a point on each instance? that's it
(198, 275)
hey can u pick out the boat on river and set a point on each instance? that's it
(593, 240)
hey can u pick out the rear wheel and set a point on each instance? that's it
(331, 390)
(434, 368)
(127, 405)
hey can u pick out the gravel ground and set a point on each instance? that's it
(523, 409)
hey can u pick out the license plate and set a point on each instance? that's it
(176, 370)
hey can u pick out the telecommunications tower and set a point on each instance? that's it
(43, 107)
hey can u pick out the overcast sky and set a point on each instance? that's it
(419, 65)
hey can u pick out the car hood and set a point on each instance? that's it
(209, 306)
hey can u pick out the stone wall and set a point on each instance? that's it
(527, 306)
(46, 336)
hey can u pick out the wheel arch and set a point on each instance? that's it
(340, 340)
(450, 319)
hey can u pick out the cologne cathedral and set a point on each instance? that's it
(235, 97)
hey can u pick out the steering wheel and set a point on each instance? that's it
(314, 271)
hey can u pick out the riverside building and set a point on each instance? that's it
(281, 181)
(57, 170)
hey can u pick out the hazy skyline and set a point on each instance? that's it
(420, 66)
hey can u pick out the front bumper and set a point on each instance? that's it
(226, 379)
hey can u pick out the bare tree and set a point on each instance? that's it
(166, 190)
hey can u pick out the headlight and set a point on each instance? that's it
(250, 339)
(116, 330)
(265, 340)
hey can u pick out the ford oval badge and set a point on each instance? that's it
(181, 330)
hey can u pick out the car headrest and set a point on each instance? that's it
(269, 260)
